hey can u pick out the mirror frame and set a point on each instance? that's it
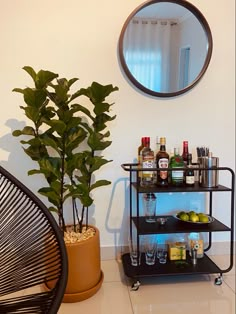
(195, 11)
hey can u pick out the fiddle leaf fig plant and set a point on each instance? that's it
(66, 140)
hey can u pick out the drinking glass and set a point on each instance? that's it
(150, 245)
(162, 255)
(135, 254)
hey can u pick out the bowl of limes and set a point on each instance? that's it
(194, 217)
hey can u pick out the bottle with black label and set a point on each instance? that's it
(162, 162)
(189, 172)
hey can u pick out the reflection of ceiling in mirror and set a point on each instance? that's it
(164, 10)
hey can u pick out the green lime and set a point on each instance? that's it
(184, 217)
(180, 213)
(203, 218)
(194, 217)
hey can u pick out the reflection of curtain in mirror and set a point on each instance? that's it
(147, 51)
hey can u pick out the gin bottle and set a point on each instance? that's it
(177, 176)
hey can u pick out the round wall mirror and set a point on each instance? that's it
(165, 47)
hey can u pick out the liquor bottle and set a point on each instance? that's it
(143, 141)
(162, 161)
(158, 145)
(177, 176)
(147, 155)
(185, 152)
(156, 151)
(189, 172)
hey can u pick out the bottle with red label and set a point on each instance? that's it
(162, 162)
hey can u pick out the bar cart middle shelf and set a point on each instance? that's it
(204, 265)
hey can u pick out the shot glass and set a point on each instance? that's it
(162, 255)
(150, 245)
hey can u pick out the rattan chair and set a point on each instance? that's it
(32, 252)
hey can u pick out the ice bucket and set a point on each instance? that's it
(209, 178)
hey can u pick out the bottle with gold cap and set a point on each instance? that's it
(162, 162)
(147, 158)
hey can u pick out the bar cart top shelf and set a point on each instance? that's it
(133, 168)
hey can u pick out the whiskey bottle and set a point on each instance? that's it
(189, 172)
(177, 176)
(162, 162)
(185, 152)
(143, 141)
(156, 151)
(147, 156)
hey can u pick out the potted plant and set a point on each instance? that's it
(66, 140)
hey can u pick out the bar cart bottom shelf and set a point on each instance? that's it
(184, 267)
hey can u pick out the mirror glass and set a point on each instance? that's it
(165, 47)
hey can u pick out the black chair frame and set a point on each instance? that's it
(32, 252)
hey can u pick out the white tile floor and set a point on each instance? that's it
(160, 295)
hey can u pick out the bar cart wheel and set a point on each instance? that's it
(135, 286)
(218, 280)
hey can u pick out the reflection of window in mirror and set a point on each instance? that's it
(146, 52)
(184, 67)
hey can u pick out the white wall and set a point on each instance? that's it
(79, 39)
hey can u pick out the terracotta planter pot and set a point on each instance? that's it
(85, 276)
(84, 269)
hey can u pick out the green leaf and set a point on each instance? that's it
(57, 125)
(53, 197)
(72, 81)
(18, 90)
(50, 142)
(97, 163)
(96, 143)
(43, 78)
(27, 130)
(34, 97)
(82, 109)
(99, 183)
(97, 92)
(30, 71)
(101, 120)
(101, 107)
(53, 209)
(35, 152)
(74, 139)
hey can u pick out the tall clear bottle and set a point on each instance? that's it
(147, 155)
(177, 176)
(185, 152)
(162, 162)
